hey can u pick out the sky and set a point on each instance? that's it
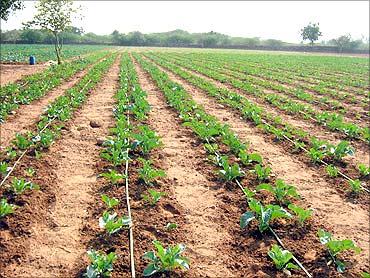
(275, 20)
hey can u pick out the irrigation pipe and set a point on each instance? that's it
(25, 151)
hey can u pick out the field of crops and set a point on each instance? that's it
(42, 52)
(193, 163)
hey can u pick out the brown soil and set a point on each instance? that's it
(27, 115)
(12, 72)
(54, 246)
(315, 191)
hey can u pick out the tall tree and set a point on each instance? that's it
(7, 6)
(311, 32)
(56, 17)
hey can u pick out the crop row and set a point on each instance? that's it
(46, 131)
(319, 151)
(235, 164)
(131, 143)
(331, 121)
(37, 85)
(318, 94)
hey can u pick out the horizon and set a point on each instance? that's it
(161, 16)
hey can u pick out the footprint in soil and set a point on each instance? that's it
(171, 208)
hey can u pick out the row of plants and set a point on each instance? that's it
(131, 140)
(235, 164)
(327, 100)
(325, 69)
(331, 121)
(46, 131)
(35, 86)
(275, 70)
(319, 151)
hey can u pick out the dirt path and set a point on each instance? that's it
(27, 115)
(207, 240)
(10, 73)
(56, 249)
(346, 219)
(361, 155)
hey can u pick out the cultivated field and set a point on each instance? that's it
(227, 152)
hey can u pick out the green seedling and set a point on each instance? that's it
(112, 223)
(6, 208)
(109, 202)
(301, 213)
(153, 197)
(101, 264)
(282, 191)
(20, 185)
(148, 174)
(282, 259)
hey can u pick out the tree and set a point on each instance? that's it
(311, 32)
(345, 42)
(7, 6)
(54, 16)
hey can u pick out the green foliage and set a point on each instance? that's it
(171, 226)
(20, 185)
(4, 168)
(355, 186)
(149, 174)
(335, 247)
(249, 158)
(230, 172)
(147, 139)
(262, 173)
(21, 142)
(6, 208)
(30, 172)
(302, 214)
(8, 6)
(101, 264)
(165, 259)
(110, 202)
(282, 258)
(112, 223)
(311, 32)
(113, 176)
(364, 170)
(263, 214)
(153, 197)
(332, 171)
(281, 190)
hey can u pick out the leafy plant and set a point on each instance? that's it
(249, 158)
(147, 139)
(335, 247)
(316, 155)
(355, 185)
(171, 226)
(153, 197)
(21, 142)
(302, 214)
(112, 223)
(165, 259)
(4, 167)
(20, 185)
(6, 208)
(101, 264)
(113, 176)
(262, 172)
(230, 172)
(110, 202)
(282, 258)
(149, 174)
(341, 150)
(364, 170)
(263, 214)
(332, 171)
(30, 172)
(281, 190)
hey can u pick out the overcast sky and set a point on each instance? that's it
(277, 20)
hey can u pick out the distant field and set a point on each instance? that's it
(42, 52)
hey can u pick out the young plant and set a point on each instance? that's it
(335, 247)
(249, 158)
(263, 214)
(21, 142)
(355, 186)
(302, 214)
(6, 208)
(165, 259)
(262, 172)
(20, 185)
(101, 264)
(110, 202)
(4, 167)
(282, 258)
(30, 172)
(112, 223)
(147, 139)
(341, 150)
(230, 172)
(281, 190)
(148, 174)
(153, 197)
(332, 171)
(364, 170)
(113, 176)
(171, 226)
